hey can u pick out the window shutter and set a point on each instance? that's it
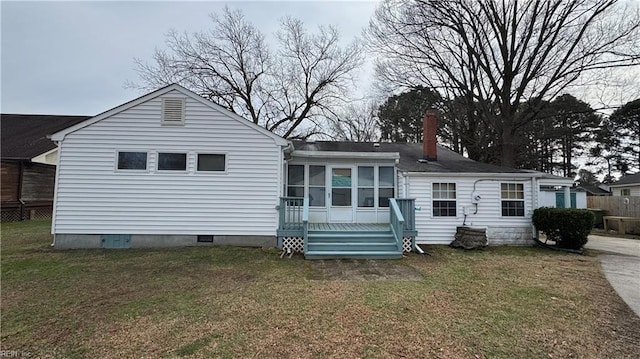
(173, 111)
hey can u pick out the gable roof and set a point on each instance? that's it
(627, 180)
(173, 87)
(593, 189)
(24, 137)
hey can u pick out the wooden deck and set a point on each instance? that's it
(349, 227)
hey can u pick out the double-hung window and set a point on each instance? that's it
(512, 196)
(444, 199)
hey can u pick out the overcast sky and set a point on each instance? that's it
(73, 58)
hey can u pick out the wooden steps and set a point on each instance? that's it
(358, 242)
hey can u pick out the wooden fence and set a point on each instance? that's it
(618, 206)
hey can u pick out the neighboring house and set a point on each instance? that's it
(171, 168)
(594, 190)
(28, 164)
(627, 186)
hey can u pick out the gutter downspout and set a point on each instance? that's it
(55, 192)
(535, 202)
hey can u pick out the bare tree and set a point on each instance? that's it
(282, 89)
(499, 54)
(355, 122)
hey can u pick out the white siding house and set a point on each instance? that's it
(171, 169)
(627, 186)
(233, 192)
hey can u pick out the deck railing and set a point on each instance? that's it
(408, 209)
(397, 222)
(290, 212)
(305, 224)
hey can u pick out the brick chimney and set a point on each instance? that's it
(429, 128)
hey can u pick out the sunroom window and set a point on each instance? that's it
(365, 186)
(317, 186)
(295, 181)
(386, 185)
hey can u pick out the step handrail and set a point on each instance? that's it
(305, 225)
(396, 219)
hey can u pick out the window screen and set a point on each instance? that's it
(211, 162)
(132, 160)
(172, 161)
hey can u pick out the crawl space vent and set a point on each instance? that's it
(173, 111)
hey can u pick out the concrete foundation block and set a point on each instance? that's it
(77, 241)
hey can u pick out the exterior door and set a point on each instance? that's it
(340, 194)
(560, 200)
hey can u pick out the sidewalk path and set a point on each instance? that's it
(621, 266)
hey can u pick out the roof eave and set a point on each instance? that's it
(625, 184)
(343, 155)
(528, 175)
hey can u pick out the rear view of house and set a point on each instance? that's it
(173, 169)
(168, 168)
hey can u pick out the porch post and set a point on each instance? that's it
(567, 196)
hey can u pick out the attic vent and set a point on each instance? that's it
(173, 111)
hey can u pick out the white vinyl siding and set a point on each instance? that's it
(441, 230)
(95, 198)
(632, 190)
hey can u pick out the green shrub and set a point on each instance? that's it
(569, 228)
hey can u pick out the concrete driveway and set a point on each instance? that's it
(620, 263)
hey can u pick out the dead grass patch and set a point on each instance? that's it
(235, 302)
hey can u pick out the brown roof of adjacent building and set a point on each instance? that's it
(25, 136)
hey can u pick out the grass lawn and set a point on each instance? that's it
(239, 302)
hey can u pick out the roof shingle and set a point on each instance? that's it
(411, 156)
(25, 136)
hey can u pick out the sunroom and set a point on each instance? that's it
(346, 200)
